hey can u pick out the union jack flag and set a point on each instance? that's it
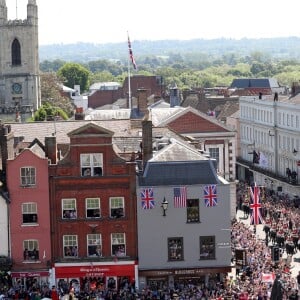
(131, 54)
(255, 206)
(210, 195)
(147, 198)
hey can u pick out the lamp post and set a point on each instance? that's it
(164, 206)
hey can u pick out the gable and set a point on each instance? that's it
(91, 129)
(193, 123)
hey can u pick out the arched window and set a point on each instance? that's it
(16, 53)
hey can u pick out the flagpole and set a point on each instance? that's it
(129, 84)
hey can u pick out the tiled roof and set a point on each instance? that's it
(127, 133)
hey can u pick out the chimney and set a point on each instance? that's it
(79, 114)
(147, 140)
(51, 149)
(6, 144)
(174, 96)
(142, 103)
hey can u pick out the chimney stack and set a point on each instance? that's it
(6, 144)
(147, 140)
(174, 96)
(142, 103)
(51, 149)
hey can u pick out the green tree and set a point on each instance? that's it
(75, 74)
(47, 112)
(51, 87)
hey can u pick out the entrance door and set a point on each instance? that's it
(111, 282)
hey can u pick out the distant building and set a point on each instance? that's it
(19, 60)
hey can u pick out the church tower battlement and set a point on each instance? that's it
(19, 62)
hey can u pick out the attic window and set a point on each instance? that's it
(91, 164)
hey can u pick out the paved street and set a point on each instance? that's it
(260, 234)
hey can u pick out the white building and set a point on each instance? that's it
(270, 128)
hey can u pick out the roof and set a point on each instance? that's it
(159, 115)
(228, 109)
(127, 134)
(179, 164)
(105, 86)
(179, 173)
(254, 83)
(107, 114)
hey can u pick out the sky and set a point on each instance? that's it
(108, 21)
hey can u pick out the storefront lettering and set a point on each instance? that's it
(94, 270)
(164, 273)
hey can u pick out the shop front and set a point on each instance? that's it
(27, 279)
(174, 278)
(95, 275)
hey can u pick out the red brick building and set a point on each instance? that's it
(93, 210)
(154, 85)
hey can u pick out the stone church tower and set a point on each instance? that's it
(19, 62)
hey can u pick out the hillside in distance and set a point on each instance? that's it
(281, 48)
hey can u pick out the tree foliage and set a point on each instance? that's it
(51, 93)
(47, 112)
(75, 74)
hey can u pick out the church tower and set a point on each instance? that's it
(19, 62)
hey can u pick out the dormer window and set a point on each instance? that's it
(91, 164)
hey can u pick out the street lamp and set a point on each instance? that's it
(164, 206)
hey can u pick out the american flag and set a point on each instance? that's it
(255, 206)
(131, 54)
(210, 195)
(180, 197)
(147, 198)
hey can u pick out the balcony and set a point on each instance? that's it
(255, 167)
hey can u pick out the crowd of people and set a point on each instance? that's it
(258, 277)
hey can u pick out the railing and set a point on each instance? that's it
(269, 173)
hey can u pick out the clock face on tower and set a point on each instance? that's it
(16, 88)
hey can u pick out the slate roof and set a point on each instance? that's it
(179, 164)
(159, 173)
(254, 83)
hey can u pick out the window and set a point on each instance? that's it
(30, 250)
(116, 207)
(91, 164)
(175, 248)
(92, 208)
(192, 210)
(27, 176)
(214, 152)
(29, 213)
(69, 209)
(94, 246)
(118, 245)
(70, 246)
(16, 53)
(207, 247)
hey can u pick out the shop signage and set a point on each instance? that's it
(197, 271)
(94, 271)
(29, 274)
